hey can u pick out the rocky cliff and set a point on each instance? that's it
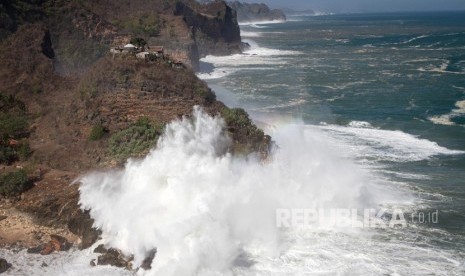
(214, 27)
(83, 31)
(256, 12)
(67, 106)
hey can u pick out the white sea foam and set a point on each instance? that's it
(459, 88)
(250, 34)
(209, 213)
(342, 86)
(256, 55)
(71, 263)
(206, 212)
(367, 143)
(290, 103)
(414, 39)
(445, 119)
(217, 73)
(360, 124)
(259, 24)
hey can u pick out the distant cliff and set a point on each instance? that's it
(82, 31)
(256, 12)
(292, 12)
(213, 27)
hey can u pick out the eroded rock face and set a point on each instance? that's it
(81, 225)
(214, 27)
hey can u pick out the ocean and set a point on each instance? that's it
(367, 177)
(386, 91)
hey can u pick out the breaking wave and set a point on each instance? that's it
(210, 213)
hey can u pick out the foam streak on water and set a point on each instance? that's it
(255, 56)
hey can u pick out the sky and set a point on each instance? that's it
(366, 5)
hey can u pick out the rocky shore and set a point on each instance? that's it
(68, 106)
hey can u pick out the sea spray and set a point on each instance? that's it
(208, 212)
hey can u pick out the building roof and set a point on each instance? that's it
(129, 46)
(141, 54)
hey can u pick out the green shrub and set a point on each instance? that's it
(7, 154)
(14, 183)
(143, 121)
(138, 41)
(135, 140)
(24, 150)
(13, 121)
(238, 120)
(13, 125)
(97, 132)
(206, 94)
(236, 117)
(36, 89)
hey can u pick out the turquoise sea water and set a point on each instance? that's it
(389, 87)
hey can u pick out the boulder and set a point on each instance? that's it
(100, 249)
(115, 257)
(56, 243)
(147, 262)
(4, 265)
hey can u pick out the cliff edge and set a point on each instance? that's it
(254, 12)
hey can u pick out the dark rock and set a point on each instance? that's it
(4, 265)
(100, 249)
(35, 250)
(3, 217)
(46, 45)
(92, 262)
(50, 247)
(56, 243)
(63, 243)
(81, 225)
(147, 262)
(44, 264)
(215, 29)
(115, 257)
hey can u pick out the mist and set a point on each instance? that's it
(205, 211)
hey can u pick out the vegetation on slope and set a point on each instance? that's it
(135, 140)
(84, 105)
(13, 127)
(14, 183)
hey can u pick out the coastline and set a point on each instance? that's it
(323, 163)
(32, 224)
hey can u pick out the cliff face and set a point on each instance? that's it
(83, 109)
(256, 12)
(83, 31)
(214, 28)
